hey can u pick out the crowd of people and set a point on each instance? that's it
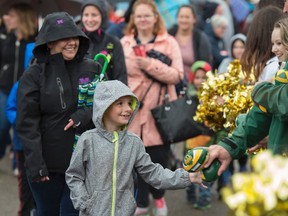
(156, 48)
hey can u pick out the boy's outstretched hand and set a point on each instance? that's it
(195, 177)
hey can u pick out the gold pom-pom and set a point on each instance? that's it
(223, 97)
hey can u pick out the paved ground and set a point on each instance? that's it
(175, 199)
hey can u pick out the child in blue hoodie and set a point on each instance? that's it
(100, 175)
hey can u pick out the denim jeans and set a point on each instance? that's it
(203, 197)
(53, 197)
(4, 125)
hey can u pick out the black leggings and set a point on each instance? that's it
(158, 154)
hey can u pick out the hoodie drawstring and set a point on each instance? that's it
(114, 177)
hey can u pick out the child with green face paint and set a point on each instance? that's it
(100, 174)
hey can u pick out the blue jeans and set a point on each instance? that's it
(52, 197)
(204, 196)
(4, 125)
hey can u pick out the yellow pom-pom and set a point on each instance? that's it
(223, 97)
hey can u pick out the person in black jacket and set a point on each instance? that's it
(48, 113)
(21, 28)
(194, 43)
(94, 20)
(186, 33)
(16, 54)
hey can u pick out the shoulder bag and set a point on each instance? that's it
(174, 119)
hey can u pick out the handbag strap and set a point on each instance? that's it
(183, 93)
(166, 95)
(146, 91)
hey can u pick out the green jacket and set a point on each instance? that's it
(257, 124)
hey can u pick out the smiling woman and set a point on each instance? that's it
(47, 103)
(67, 46)
(94, 21)
(194, 43)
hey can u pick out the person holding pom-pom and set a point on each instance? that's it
(267, 117)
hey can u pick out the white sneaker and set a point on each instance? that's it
(16, 172)
(160, 207)
(142, 211)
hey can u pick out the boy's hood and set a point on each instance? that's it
(106, 93)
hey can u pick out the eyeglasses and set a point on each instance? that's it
(145, 16)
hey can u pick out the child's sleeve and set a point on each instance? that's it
(155, 175)
(75, 176)
(273, 98)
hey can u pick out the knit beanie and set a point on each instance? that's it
(198, 65)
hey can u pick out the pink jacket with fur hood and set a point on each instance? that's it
(143, 124)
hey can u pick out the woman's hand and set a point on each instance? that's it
(69, 125)
(43, 179)
(142, 62)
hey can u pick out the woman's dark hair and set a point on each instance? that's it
(258, 46)
(191, 7)
(265, 3)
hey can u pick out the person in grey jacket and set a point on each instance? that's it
(100, 175)
(235, 51)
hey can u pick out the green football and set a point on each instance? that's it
(195, 159)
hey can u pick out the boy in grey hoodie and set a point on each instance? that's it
(100, 174)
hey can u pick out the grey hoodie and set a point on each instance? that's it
(100, 172)
(225, 62)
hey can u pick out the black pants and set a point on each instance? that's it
(158, 154)
(26, 200)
